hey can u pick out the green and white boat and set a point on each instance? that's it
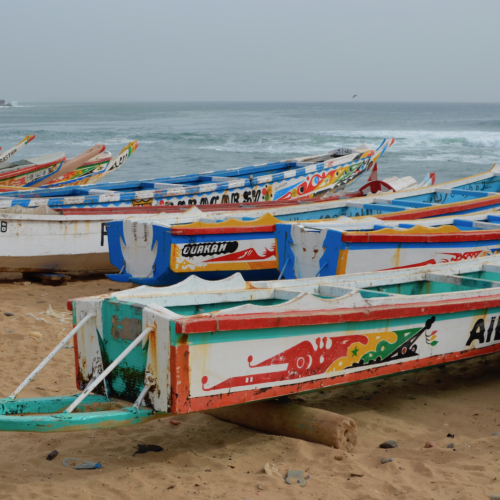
(146, 353)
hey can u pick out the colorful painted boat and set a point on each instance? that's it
(298, 178)
(326, 249)
(9, 153)
(24, 172)
(153, 252)
(265, 249)
(88, 167)
(202, 345)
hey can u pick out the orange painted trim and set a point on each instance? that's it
(179, 376)
(265, 220)
(342, 261)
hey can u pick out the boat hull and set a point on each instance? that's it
(299, 178)
(224, 358)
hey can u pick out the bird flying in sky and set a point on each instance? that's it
(355, 95)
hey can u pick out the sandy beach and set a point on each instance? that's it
(206, 458)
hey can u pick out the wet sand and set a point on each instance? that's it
(207, 458)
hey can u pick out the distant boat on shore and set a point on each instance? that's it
(5, 103)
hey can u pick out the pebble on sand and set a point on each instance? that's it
(388, 444)
(451, 445)
(386, 460)
(9, 314)
(430, 444)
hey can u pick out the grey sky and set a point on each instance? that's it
(258, 50)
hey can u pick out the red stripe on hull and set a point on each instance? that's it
(450, 208)
(27, 170)
(269, 320)
(223, 230)
(422, 238)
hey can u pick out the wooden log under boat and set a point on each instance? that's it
(295, 421)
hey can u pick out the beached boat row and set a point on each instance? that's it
(307, 240)
(370, 283)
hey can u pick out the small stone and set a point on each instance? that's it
(357, 474)
(430, 444)
(40, 301)
(388, 444)
(496, 434)
(339, 457)
(9, 314)
(451, 445)
(450, 436)
(402, 468)
(10, 331)
(52, 455)
(386, 460)
(495, 497)
(259, 487)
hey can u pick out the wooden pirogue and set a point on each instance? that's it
(295, 178)
(202, 345)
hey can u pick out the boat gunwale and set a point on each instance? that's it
(221, 322)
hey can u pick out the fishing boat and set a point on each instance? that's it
(9, 153)
(88, 167)
(297, 178)
(24, 172)
(266, 248)
(325, 249)
(143, 354)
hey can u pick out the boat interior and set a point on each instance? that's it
(32, 162)
(330, 293)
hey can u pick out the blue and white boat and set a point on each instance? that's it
(296, 178)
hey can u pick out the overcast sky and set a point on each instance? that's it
(258, 50)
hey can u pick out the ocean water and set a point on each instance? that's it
(452, 140)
